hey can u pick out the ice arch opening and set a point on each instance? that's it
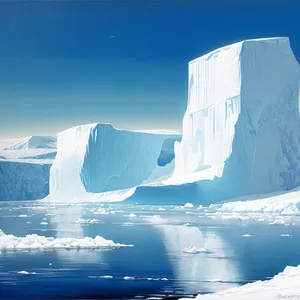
(167, 154)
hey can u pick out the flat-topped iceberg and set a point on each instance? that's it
(241, 126)
(98, 159)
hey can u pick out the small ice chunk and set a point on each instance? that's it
(107, 276)
(23, 272)
(285, 234)
(194, 250)
(129, 278)
(186, 224)
(188, 205)
(23, 216)
(247, 235)
(132, 215)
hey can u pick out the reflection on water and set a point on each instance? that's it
(158, 252)
(65, 220)
(196, 272)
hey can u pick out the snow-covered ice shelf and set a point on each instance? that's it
(285, 285)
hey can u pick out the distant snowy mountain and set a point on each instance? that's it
(32, 142)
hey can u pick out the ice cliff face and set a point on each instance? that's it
(25, 166)
(23, 180)
(99, 158)
(241, 129)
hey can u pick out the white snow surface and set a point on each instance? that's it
(241, 127)
(284, 203)
(285, 285)
(95, 161)
(31, 142)
(36, 242)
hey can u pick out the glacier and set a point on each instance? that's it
(241, 137)
(241, 129)
(25, 167)
(100, 160)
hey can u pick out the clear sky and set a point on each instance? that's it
(65, 63)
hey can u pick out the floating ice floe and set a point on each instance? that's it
(129, 278)
(285, 234)
(127, 224)
(36, 242)
(285, 285)
(194, 250)
(277, 222)
(132, 215)
(23, 216)
(178, 207)
(246, 235)
(23, 272)
(106, 277)
(88, 221)
(186, 224)
(286, 204)
(188, 205)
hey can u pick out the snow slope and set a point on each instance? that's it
(285, 285)
(24, 169)
(285, 203)
(98, 158)
(31, 142)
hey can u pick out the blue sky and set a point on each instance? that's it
(60, 65)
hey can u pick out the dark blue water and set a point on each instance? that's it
(157, 253)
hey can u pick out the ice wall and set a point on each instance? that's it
(241, 127)
(99, 158)
(23, 180)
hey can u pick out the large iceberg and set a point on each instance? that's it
(241, 129)
(242, 119)
(98, 159)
